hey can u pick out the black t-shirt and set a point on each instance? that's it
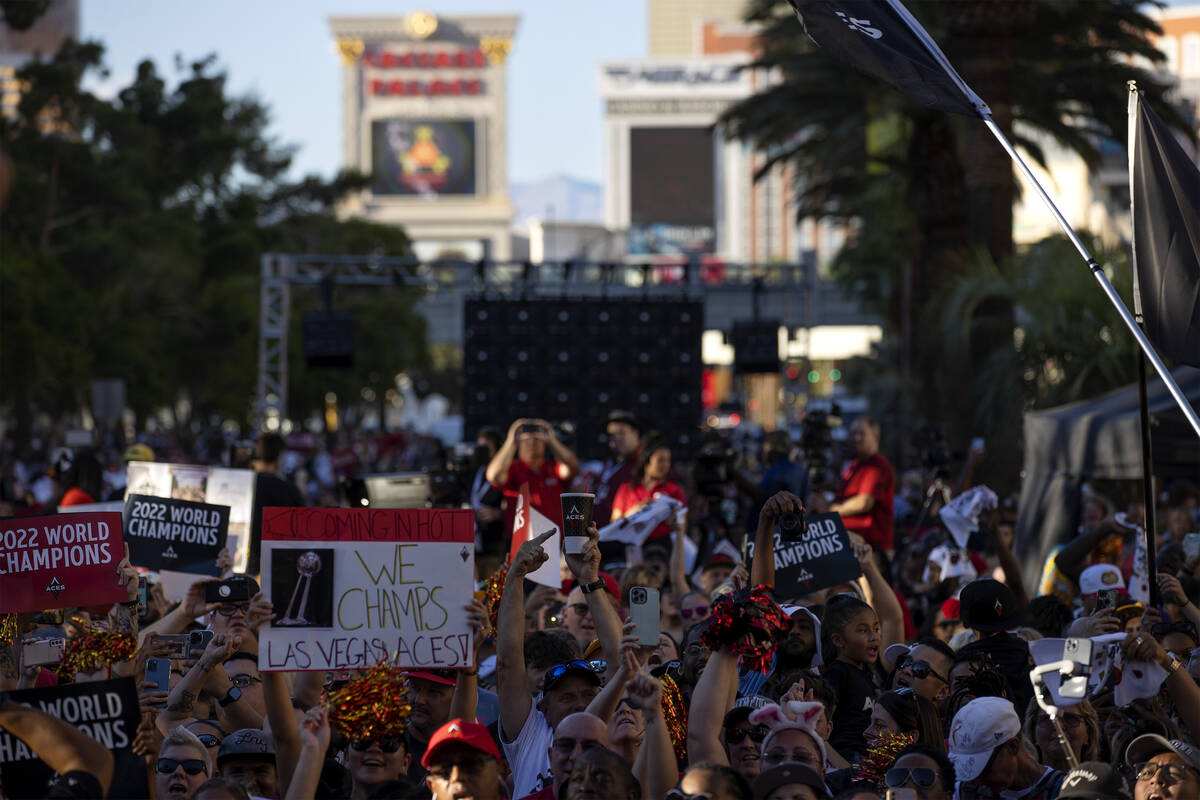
(270, 490)
(1011, 656)
(855, 692)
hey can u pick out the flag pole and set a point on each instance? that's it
(1097, 271)
(1148, 497)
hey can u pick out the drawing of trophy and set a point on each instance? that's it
(307, 565)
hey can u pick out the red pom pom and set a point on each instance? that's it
(750, 624)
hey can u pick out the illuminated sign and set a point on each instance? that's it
(444, 59)
(423, 157)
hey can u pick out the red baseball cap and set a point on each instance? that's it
(459, 731)
(446, 677)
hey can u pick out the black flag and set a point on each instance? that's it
(882, 39)
(1166, 218)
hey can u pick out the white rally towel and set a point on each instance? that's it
(961, 515)
(635, 528)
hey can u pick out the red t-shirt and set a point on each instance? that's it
(544, 489)
(630, 494)
(875, 477)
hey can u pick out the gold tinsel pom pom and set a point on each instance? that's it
(374, 704)
(95, 649)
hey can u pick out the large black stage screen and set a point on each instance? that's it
(576, 360)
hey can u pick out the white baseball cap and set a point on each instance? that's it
(978, 729)
(1100, 576)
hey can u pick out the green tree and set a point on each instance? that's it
(132, 243)
(932, 193)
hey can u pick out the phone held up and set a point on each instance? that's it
(644, 612)
(238, 589)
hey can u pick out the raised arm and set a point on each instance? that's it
(177, 619)
(61, 745)
(710, 700)
(497, 468)
(314, 736)
(604, 704)
(586, 569)
(560, 452)
(1179, 684)
(1072, 558)
(515, 701)
(656, 768)
(466, 685)
(883, 599)
(762, 570)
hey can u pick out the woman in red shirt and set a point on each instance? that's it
(649, 479)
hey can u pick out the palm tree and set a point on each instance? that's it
(932, 193)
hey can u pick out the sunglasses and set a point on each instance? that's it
(625, 701)
(738, 735)
(700, 612)
(678, 794)
(192, 766)
(208, 739)
(388, 744)
(921, 776)
(467, 766)
(558, 670)
(920, 670)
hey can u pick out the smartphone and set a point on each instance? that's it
(1106, 598)
(643, 612)
(198, 641)
(177, 642)
(1078, 651)
(158, 674)
(142, 604)
(238, 589)
(42, 650)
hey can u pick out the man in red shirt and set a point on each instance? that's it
(625, 442)
(532, 455)
(868, 488)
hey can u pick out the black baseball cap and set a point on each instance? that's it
(786, 775)
(988, 605)
(1094, 780)
(624, 416)
(247, 742)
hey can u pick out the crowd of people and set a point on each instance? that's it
(912, 680)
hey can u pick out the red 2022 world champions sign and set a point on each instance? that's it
(60, 561)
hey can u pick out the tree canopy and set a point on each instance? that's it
(132, 239)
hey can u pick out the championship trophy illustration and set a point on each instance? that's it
(307, 565)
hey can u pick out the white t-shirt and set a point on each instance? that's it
(529, 754)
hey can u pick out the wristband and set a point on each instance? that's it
(588, 588)
(232, 696)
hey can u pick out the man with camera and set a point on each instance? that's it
(868, 489)
(532, 455)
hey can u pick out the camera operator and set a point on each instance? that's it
(625, 442)
(533, 455)
(868, 489)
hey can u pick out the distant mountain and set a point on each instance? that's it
(573, 200)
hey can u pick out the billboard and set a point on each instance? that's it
(423, 157)
(672, 185)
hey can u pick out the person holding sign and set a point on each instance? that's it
(533, 455)
(526, 728)
(650, 479)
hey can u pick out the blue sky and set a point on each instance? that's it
(281, 51)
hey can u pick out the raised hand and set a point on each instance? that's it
(314, 729)
(530, 555)
(222, 646)
(260, 612)
(1171, 590)
(193, 604)
(778, 504)
(481, 626)
(585, 566)
(127, 576)
(644, 691)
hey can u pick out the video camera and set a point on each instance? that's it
(816, 442)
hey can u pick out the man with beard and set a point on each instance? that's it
(575, 735)
(430, 694)
(601, 774)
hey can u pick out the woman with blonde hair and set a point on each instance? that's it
(1081, 725)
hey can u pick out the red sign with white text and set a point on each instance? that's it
(60, 561)
(369, 524)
